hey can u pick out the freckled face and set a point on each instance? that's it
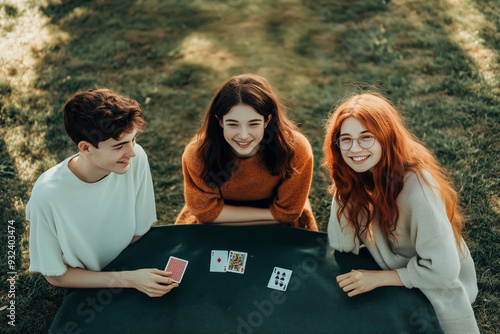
(358, 158)
(243, 129)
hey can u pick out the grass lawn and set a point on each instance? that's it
(438, 60)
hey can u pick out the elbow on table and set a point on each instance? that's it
(288, 218)
(55, 280)
(343, 244)
(197, 218)
(436, 264)
(447, 276)
(202, 219)
(207, 216)
(436, 276)
(344, 249)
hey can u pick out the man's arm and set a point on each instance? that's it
(135, 238)
(153, 282)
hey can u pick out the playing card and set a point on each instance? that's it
(279, 279)
(177, 267)
(218, 261)
(236, 262)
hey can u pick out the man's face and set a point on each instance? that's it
(114, 155)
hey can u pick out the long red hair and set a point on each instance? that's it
(369, 195)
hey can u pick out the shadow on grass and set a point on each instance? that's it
(33, 298)
(347, 10)
(448, 104)
(133, 48)
(12, 227)
(128, 48)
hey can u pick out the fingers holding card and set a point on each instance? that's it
(177, 267)
(279, 279)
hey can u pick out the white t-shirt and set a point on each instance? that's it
(86, 225)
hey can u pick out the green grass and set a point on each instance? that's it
(438, 60)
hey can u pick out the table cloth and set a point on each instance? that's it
(214, 302)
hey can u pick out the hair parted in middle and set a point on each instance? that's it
(369, 195)
(256, 92)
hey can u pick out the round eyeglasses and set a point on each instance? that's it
(364, 141)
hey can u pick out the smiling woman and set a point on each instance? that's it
(391, 195)
(361, 153)
(248, 164)
(244, 130)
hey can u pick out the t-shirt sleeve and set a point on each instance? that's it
(292, 193)
(204, 202)
(342, 235)
(145, 207)
(44, 247)
(437, 262)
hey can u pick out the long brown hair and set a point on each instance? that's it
(254, 91)
(366, 194)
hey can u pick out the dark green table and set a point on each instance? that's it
(207, 302)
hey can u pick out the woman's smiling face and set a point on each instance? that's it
(243, 129)
(358, 158)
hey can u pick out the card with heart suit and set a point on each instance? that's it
(279, 279)
(177, 267)
(236, 262)
(218, 261)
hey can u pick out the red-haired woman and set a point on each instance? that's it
(248, 164)
(391, 195)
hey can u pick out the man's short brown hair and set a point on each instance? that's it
(99, 114)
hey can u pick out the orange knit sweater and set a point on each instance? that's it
(250, 182)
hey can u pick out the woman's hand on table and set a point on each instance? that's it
(361, 281)
(152, 282)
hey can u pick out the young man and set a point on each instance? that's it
(87, 209)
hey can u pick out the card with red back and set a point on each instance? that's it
(177, 267)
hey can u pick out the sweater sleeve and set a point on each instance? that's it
(203, 202)
(437, 262)
(292, 193)
(342, 235)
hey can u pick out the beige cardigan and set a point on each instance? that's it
(425, 255)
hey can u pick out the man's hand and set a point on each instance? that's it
(153, 282)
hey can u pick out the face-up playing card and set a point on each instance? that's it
(218, 261)
(236, 262)
(279, 279)
(177, 267)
